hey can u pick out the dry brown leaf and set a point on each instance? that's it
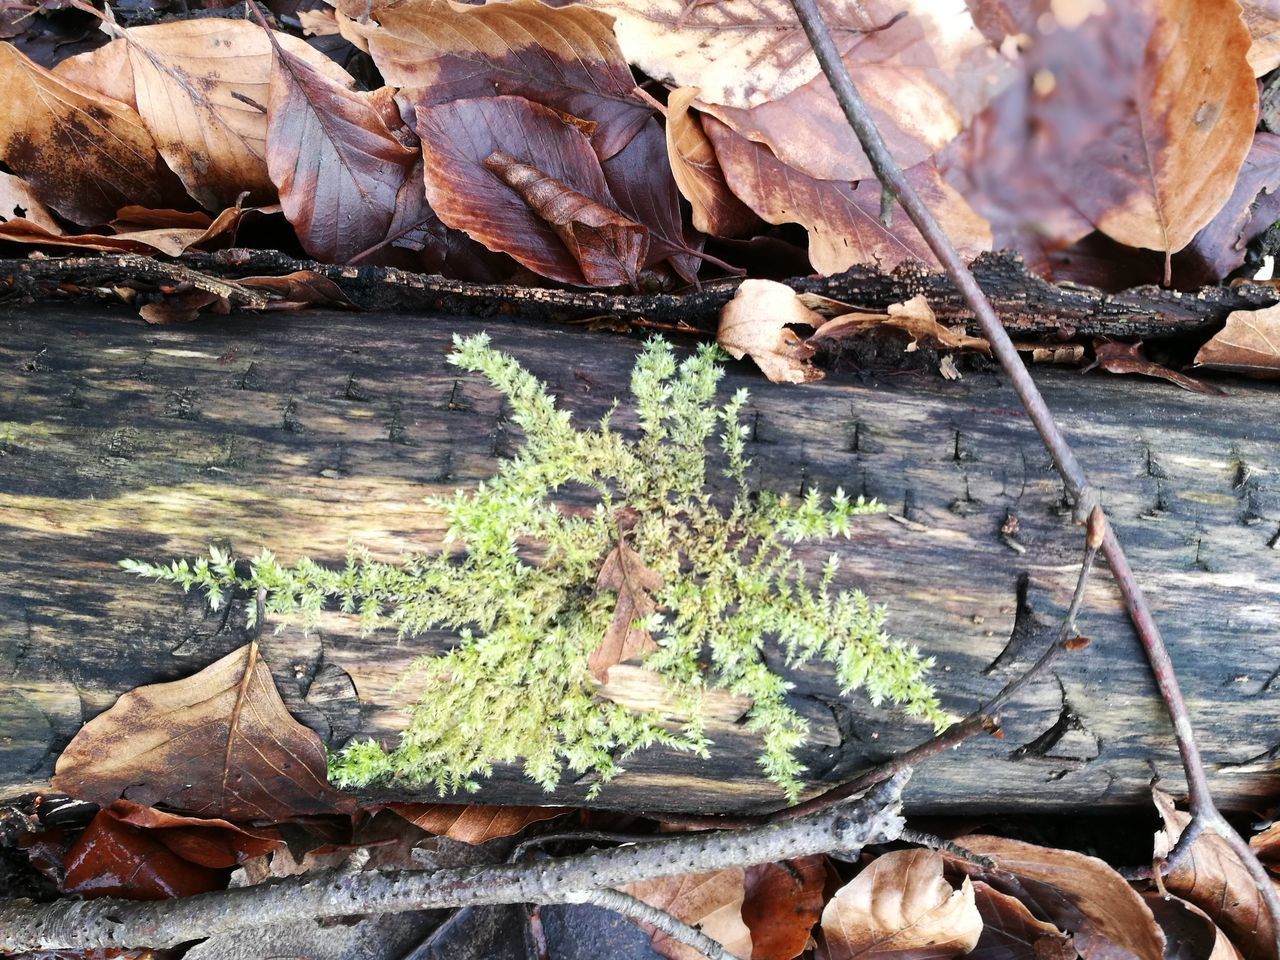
(106, 69)
(1262, 17)
(321, 22)
(1116, 357)
(754, 323)
(201, 87)
(338, 168)
(914, 317)
(624, 572)
(472, 823)
(1212, 877)
(175, 744)
(711, 901)
(1011, 932)
(302, 288)
(1189, 931)
(900, 906)
(1267, 846)
(716, 210)
(843, 223)
(564, 58)
(83, 154)
(1081, 895)
(1249, 343)
(783, 902)
(609, 248)
(19, 202)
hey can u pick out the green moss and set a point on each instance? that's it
(518, 684)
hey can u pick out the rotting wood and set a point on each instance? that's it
(304, 431)
(1028, 305)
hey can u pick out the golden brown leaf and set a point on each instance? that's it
(1212, 877)
(169, 743)
(914, 317)
(755, 323)
(1249, 343)
(716, 210)
(83, 154)
(783, 901)
(473, 823)
(1011, 932)
(1262, 17)
(624, 572)
(900, 906)
(711, 901)
(19, 202)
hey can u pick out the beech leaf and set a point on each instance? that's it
(1249, 343)
(1011, 932)
(338, 168)
(1190, 932)
(178, 744)
(783, 902)
(83, 154)
(1116, 357)
(914, 317)
(625, 573)
(900, 906)
(473, 823)
(755, 323)
(711, 901)
(458, 141)
(716, 210)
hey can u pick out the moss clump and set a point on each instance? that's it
(522, 587)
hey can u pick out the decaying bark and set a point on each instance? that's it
(302, 432)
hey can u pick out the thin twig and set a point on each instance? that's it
(637, 910)
(1083, 496)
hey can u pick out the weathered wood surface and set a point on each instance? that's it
(305, 431)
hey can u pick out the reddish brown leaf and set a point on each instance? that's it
(472, 823)
(170, 743)
(1189, 931)
(1212, 877)
(843, 223)
(1079, 894)
(114, 859)
(84, 155)
(711, 901)
(1249, 343)
(302, 288)
(1116, 357)
(900, 906)
(1267, 846)
(210, 843)
(757, 323)
(609, 248)
(1010, 932)
(624, 572)
(565, 58)
(716, 210)
(783, 901)
(338, 168)
(457, 139)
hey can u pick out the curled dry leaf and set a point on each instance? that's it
(1079, 894)
(843, 221)
(783, 902)
(900, 906)
(609, 248)
(1011, 932)
(1249, 343)
(1212, 877)
(716, 209)
(1116, 357)
(177, 744)
(1189, 931)
(472, 823)
(1267, 846)
(338, 168)
(457, 140)
(84, 155)
(625, 573)
(755, 323)
(914, 317)
(301, 288)
(711, 901)
(564, 58)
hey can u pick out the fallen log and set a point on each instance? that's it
(305, 432)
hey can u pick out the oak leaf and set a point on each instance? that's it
(757, 323)
(625, 573)
(900, 906)
(711, 901)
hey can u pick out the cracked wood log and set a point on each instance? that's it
(305, 431)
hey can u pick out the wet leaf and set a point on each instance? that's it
(625, 573)
(84, 155)
(1079, 894)
(473, 823)
(843, 222)
(459, 138)
(716, 210)
(756, 323)
(338, 168)
(783, 902)
(900, 906)
(711, 901)
(564, 58)
(1116, 357)
(1212, 877)
(1249, 343)
(212, 843)
(114, 859)
(177, 744)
